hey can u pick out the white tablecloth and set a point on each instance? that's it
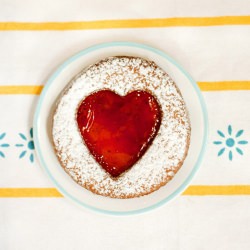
(210, 39)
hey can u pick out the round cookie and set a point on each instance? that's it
(162, 159)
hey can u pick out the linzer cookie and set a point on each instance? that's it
(121, 128)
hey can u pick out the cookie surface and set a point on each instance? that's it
(162, 159)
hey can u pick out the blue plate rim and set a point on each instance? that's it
(83, 52)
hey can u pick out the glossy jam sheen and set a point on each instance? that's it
(118, 129)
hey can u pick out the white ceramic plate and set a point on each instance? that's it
(43, 122)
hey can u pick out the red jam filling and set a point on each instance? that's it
(118, 129)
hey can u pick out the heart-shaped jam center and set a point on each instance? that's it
(118, 129)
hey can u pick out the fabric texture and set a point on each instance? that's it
(210, 39)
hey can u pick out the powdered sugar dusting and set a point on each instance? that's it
(163, 158)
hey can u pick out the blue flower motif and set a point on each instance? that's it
(3, 145)
(230, 142)
(28, 146)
